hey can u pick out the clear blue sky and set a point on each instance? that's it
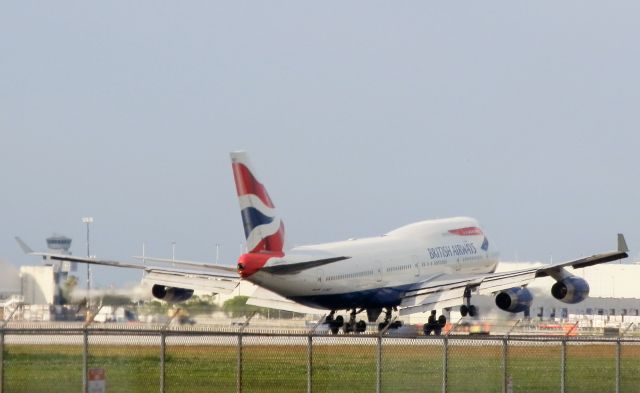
(359, 116)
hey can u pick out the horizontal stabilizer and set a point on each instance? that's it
(293, 268)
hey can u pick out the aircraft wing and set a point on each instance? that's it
(447, 290)
(181, 274)
(92, 261)
(262, 297)
(182, 262)
(196, 280)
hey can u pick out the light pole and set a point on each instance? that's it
(88, 221)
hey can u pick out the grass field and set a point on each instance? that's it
(337, 368)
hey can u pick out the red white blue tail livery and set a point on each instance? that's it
(263, 228)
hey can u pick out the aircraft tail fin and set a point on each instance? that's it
(263, 228)
(622, 243)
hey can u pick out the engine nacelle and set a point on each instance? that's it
(570, 290)
(171, 294)
(514, 300)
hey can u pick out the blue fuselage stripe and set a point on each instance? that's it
(370, 298)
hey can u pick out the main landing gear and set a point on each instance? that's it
(387, 320)
(467, 308)
(434, 325)
(351, 326)
(336, 323)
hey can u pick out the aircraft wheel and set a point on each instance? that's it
(382, 325)
(464, 310)
(396, 324)
(334, 330)
(339, 321)
(473, 311)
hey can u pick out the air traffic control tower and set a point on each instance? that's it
(60, 245)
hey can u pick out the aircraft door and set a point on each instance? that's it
(378, 270)
(317, 280)
(458, 264)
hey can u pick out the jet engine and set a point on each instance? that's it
(514, 300)
(570, 290)
(171, 294)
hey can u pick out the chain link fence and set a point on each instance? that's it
(196, 359)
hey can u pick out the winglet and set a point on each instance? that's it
(26, 249)
(622, 243)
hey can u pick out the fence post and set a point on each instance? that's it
(310, 354)
(309, 363)
(163, 350)
(563, 365)
(445, 364)
(239, 364)
(3, 325)
(379, 354)
(379, 364)
(505, 375)
(85, 359)
(618, 355)
(1, 359)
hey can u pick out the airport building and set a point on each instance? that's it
(39, 288)
(10, 291)
(43, 285)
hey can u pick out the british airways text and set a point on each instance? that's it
(454, 250)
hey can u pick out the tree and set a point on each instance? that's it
(67, 289)
(237, 307)
(154, 307)
(200, 305)
(116, 300)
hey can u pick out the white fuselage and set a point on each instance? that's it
(380, 269)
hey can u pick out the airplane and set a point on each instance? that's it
(428, 265)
